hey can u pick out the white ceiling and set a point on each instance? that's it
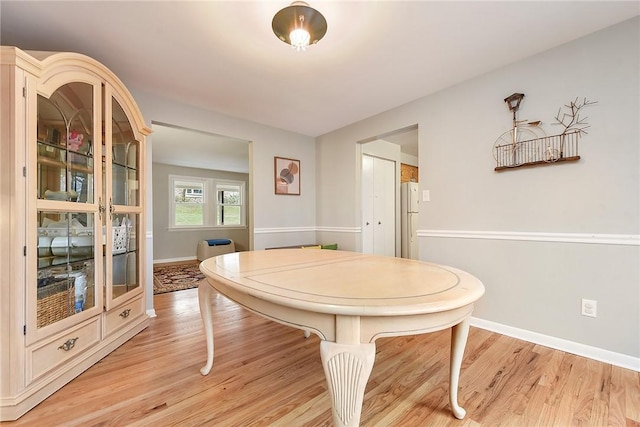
(376, 55)
(191, 148)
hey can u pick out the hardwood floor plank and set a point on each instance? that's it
(632, 394)
(401, 389)
(266, 374)
(602, 394)
(487, 378)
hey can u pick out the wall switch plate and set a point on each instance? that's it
(589, 308)
(426, 196)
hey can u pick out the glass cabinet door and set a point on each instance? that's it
(65, 209)
(123, 194)
(66, 264)
(124, 254)
(65, 146)
(125, 159)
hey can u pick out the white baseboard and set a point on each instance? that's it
(151, 313)
(162, 261)
(606, 356)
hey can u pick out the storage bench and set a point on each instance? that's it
(213, 247)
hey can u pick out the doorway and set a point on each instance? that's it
(214, 162)
(381, 213)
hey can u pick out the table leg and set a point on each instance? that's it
(347, 368)
(204, 300)
(459, 334)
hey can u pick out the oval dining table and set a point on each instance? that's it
(349, 300)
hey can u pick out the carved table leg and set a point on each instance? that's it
(347, 368)
(459, 334)
(204, 300)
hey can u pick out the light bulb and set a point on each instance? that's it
(299, 38)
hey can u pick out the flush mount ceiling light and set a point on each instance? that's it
(299, 25)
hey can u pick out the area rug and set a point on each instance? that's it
(176, 277)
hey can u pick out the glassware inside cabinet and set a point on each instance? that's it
(65, 280)
(65, 151)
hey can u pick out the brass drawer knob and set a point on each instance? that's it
(125, 313)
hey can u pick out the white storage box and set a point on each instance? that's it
(44, 246)
(76, 245)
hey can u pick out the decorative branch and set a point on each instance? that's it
(571, 120)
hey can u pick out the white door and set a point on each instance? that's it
(367, 204)
(378, 206)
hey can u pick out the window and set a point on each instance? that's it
(229, 207)
(189, 202)
(205, 203)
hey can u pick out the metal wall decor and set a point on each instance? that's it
(526, 144)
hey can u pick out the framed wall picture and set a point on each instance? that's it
(287, 176)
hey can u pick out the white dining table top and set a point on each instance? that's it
(346, 283)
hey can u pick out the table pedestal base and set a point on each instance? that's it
(347, 368)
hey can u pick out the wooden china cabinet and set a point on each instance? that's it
(72, 234)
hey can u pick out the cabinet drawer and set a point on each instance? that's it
(43, 357)
(123, 314)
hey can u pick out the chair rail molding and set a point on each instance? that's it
(283, 230)
(340, 229)
(586, 238)
(306, 229)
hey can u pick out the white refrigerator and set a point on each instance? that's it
(409, 219)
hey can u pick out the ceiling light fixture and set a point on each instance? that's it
(299, 25)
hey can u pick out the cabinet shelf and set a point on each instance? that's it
(63, 148)
(45, 262)
(124, 166)
(62, 165)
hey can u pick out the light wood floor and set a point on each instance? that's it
(268, 374)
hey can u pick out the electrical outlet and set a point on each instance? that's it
(589, 307)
